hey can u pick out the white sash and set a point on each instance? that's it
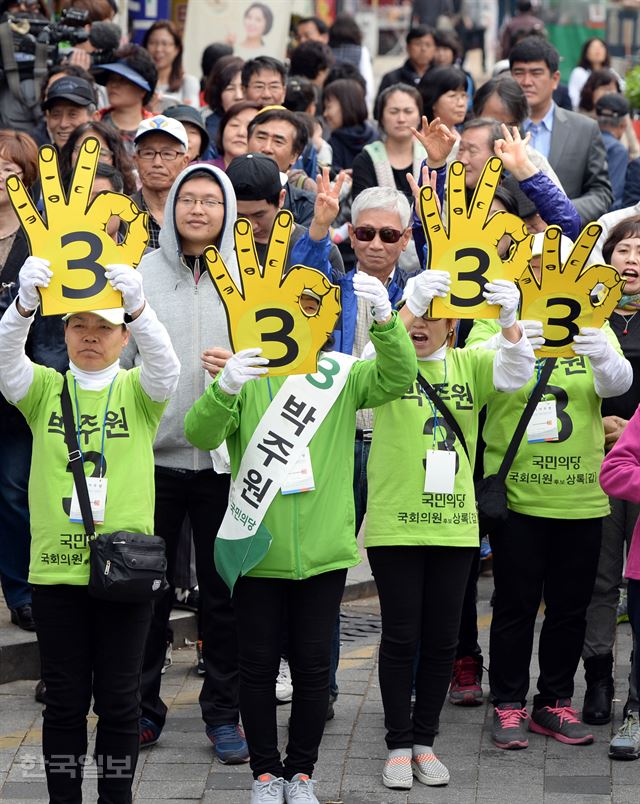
(283, 433)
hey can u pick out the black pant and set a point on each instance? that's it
(203, 496)
(310, 607)
(535, 557)
(468, 636)
(421, 591)
(87, 647)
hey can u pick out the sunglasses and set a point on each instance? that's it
(387, 234)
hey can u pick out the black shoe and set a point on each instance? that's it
(40, 692)
(330, 711)
(23, 618)
(598, 673)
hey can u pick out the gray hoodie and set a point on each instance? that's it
(194, 317)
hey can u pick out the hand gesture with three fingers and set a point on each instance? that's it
(72, 235)
(467, 246)
(266, 310)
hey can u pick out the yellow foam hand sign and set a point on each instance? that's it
(467, 246)
(267, 310)
(73, 236)
(570, 296)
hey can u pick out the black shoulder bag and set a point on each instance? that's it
(491, 491)
(449, 418)
(123, 567)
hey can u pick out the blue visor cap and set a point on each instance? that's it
(121, 68)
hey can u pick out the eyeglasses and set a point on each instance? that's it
(167, 155)
(386, 234)
(208, 203)
(275, 86)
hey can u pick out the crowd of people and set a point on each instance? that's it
(170, 417)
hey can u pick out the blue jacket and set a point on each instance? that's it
(344, 333)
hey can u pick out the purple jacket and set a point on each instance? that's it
(620, 477)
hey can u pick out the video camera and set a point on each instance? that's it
(29, 30)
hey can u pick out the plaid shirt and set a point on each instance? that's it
(154, 226)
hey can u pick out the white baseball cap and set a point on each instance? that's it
(566, 244)
(163, 125)
(115, 316)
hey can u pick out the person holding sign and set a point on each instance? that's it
(289, 529)
(200, 210)
(87, 646)
(422, 526)
(544, 544)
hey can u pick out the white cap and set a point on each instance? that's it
(115, 316)
(163, 125)
(566, 244)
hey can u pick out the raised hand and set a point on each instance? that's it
(468, 246)
(266, 309)
(513, 152)
(436, 139)
(569, 297)
(429, 178)
(507, 296)
(72, 235)
(424, 288)
(327, 203)
(372, 290)
(34, 275)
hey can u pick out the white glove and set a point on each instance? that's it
(129, 282)
(369, 288)
(533, 331)
(591, 342)
(239, 369)
(426, 286)
(34, 274)
(507, 295)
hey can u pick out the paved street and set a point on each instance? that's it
(181, 768)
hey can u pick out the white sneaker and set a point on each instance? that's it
(626, 743)
(300, 790)
(428, 769)
(397, 774)
(268, 789)
(284, 687)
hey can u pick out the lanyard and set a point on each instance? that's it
(104, 421)
(434, 410)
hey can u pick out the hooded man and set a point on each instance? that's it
(200, 211)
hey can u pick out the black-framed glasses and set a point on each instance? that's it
(386, 234)
(208, 203)
(166, 154)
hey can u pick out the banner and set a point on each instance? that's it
(252, 28)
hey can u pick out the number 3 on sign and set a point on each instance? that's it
(470, 246)
(74, 237)
(568, 296)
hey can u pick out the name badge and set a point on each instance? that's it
(440, 476)
(300, 476)
(97, 488)
(543, 425)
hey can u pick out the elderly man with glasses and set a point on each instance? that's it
(161, 146)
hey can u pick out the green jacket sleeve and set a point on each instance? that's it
(483, 329)
(392, 372)
(212, 418)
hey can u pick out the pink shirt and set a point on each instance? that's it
(620, 477)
